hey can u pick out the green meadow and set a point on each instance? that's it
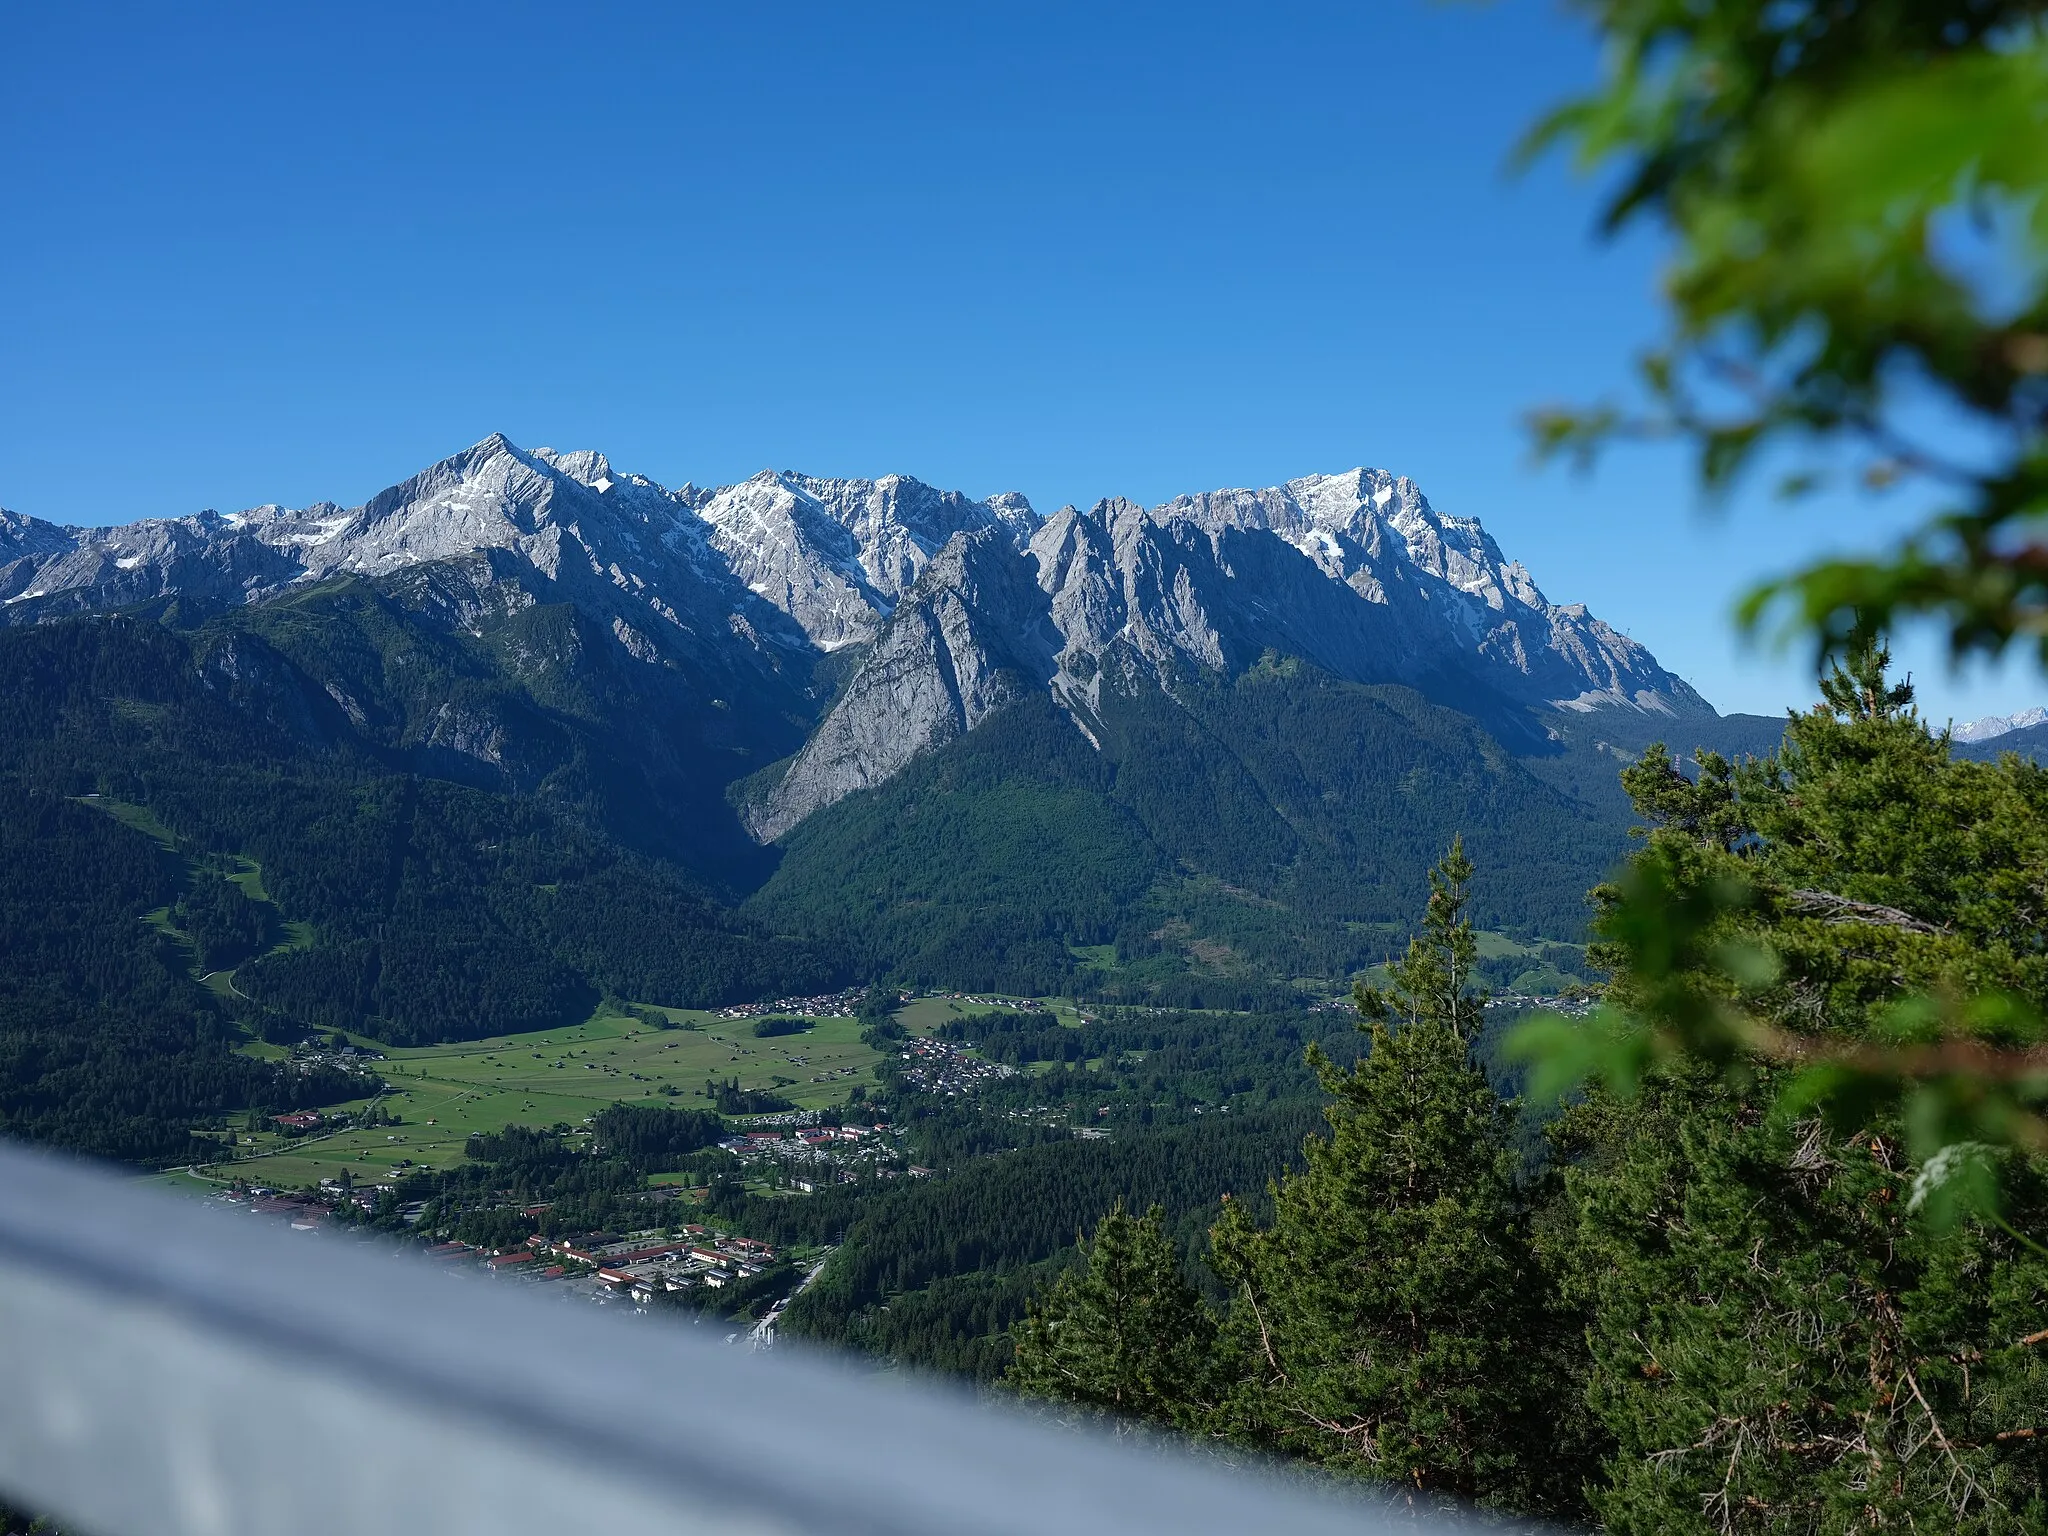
(928, 1013)
(443, 1094)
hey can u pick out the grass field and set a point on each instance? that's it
(1541, 977)
(928, 1013)
(140, 817)
(442, 1094)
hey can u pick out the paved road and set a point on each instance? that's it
(762, 1335)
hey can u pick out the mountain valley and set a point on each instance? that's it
(522, 733)
(1120, 723)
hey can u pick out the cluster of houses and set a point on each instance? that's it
(933, 1066)
(831, 1005)
(305, 1212)
(308, 1210)
(311, 1055)
(1572, 1006)
(639, 1265)
(819, 1154)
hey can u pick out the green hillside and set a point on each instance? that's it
(339, 810)
(1254, 830)
(277, 860)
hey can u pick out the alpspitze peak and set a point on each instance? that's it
(586, 465)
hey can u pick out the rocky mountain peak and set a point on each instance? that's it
(972, 634)
(836, 555)
(585, 466)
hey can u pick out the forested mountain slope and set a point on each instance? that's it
(522, 729)
(1266, 826)
(418, 906)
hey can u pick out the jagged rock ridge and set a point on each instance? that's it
(954, 605)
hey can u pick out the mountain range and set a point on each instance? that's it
(1992, 727)
(943, 735)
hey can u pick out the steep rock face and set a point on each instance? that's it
(1358, 573)
(836, 555)
(973, 633)
(24, 543)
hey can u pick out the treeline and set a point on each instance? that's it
(652, 1137)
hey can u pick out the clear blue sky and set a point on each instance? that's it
(285, 253)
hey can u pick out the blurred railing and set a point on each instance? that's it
(171, 1368)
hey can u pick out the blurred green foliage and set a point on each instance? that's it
(1859, 913)
(1854, 188)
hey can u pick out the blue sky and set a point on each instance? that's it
(286, 253)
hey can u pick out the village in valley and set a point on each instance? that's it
(345, 1169)
(784, 1087)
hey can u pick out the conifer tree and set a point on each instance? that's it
(1388, 1323)
(1123, 1334)
(1777, 1343)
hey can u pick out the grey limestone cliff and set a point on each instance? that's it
(973, 634)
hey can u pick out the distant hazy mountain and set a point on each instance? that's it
(1993, 726)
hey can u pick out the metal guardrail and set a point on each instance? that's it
(167, 1369)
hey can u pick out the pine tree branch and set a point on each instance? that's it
(1265, 1338)
(1940, 1058)
(1840, 909)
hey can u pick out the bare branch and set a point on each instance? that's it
(1840, 909)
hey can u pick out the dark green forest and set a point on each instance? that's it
(1226, 835)
(142, 765)
(107, 1044)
